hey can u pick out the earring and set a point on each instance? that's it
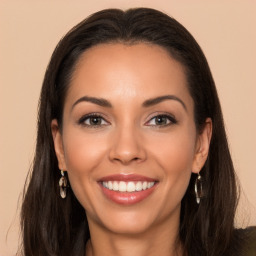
(63, 185)
(199, 188)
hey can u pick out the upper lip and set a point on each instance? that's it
(126, 177)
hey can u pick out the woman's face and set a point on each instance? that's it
(129, 141)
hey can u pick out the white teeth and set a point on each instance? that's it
(115, 186)
(122, 186)
(144, 185)
(110, 185)
(139, 186)
(130, 186)
(150, 184)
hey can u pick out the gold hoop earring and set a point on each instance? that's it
(199, 188)
(63, 185)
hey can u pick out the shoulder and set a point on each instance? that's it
(248, 237)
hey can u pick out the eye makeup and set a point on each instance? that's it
(98, 120)
(93, 120)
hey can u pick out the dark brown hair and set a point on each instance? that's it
(53, 226)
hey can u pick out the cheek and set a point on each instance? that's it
(82, 150)
(83, 155)
(176, 150)
(175, 156)
(176, 162)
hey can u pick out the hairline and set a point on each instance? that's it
(171, 52)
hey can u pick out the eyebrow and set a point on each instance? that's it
(148, 103)
(154, 101)
(98, 101)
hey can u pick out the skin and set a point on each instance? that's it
(128, 140)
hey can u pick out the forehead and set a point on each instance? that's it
(138, 71)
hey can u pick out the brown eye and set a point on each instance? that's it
(161, 120)
(93, 120)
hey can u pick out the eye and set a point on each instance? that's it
(161, 120)
(93, 120)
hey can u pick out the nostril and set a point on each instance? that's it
(127, 159)
(126, 149)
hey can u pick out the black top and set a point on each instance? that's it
(248, 236)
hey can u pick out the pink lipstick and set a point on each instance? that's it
(127, 189)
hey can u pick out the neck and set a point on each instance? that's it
(159, 240)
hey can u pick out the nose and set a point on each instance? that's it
(127, 146)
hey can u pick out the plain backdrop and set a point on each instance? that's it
(29, 31)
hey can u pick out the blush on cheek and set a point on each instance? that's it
(83, 151)
(82, 159)
(176, 159)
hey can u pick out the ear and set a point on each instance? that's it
(202, 146)
(58, 145)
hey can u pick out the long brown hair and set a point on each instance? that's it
(53, 226)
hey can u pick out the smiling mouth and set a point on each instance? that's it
(130, 186)
(127, 189)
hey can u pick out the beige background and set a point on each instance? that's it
(29, 31)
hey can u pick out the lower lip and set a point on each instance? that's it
(127, 198)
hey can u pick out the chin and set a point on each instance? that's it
(135, 220)
(129, 224)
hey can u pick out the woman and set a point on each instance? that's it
(131, 156)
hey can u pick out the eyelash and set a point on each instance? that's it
(170, 119)
(82, 121)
